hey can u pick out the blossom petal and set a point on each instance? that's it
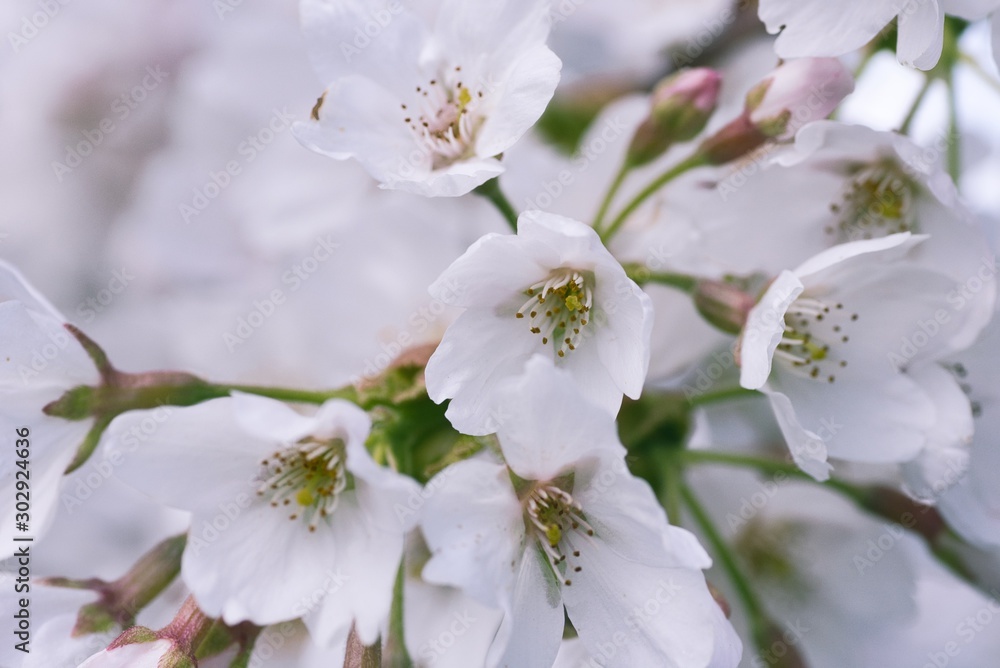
(259, 565)
(765, 328)
(270, 419)
(339, 46)
(474, 526)
(494, 265)
(530, 632)
(543, 441)
(361, 119)
(14, 287)
(40, 352)
(945, 458)
(921, 34)
(674, 625)
(462, 372)
(820, 28)
(623, 340)
(806, 447)
(527, 89)
(193, 458)
(862, 418)
(623, 510)
(361, 577)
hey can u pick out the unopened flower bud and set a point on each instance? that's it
(798, 92)
(174, 646)
(138, 648)
(794, 94)
(680, 107)
(723, 305)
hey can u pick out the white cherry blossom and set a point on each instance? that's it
(819, 28)
(830, 343)
(429, 103)
(564, 524)
(290, 515)
(554, 289)
(40, 361)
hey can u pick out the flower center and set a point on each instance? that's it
(558, 308)
(310, 474)
(876, 202)
(559, 526)
(815, 338)
(764, 548)
(444, 117)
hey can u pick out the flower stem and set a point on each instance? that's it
(610, 195)
(954, 141)
(396, 645)
(362, 656)
(770, 467)
(986, 77)
(641, 274)
(673, 472)
(491, 191)
(904, 127)
(693, 161)
(756, 617)
(290, 394)
(722, 395)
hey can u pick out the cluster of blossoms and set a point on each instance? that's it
(720, 396)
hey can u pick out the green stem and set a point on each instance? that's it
(987, 78)
(682, 282)
(612, 191)
(954, 141)
(904, 127)
(756, 617)
(290, 394)
(673, 472)
(865, 59)
(770, 467)
(686, 165)
(491, 191)
(396, 645)
(641, 274)
(722, 395)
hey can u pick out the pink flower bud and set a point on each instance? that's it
(680, 107)
(795, 93)
(798, 92)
